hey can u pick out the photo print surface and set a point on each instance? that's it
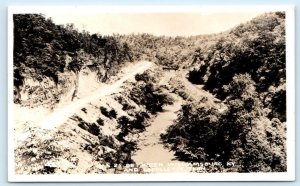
(148, 93)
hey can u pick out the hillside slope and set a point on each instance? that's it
(48, 59)
(95, 134)
(245, 69)
(90, 104)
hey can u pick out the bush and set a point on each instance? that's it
(124, 125)
(125, 105)
(152, 98)
(104, 111)
(94, 129)
(143, 77)
(108, 141)
(128, 126)
(192, 134)
(139, 121)
(91, 128)
(100, 122)
(109, 114)
(112, 113)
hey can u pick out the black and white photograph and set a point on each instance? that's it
(151, 93)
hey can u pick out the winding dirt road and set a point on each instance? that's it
(59, 116)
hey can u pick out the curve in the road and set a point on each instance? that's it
(59, 116)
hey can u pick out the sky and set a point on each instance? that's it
(169, 24)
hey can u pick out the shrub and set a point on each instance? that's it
(124, 125)
(139, 121)
(100, 122)
(108, 141)
(148, 95)
(125, 105)
(94, 129)
(109, 114)
(104, 111)
(143, 77)
(90, 127)
(112, 113)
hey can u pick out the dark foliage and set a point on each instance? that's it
(150, 96)
(242, 134)
(172, 52)
(257, 48)
(108, 141)
(90, 127)
(100, 122)
(145, 77)
(110, 114)
(41, 49)
(131, 126)
(245, 68)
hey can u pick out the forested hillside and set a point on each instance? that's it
(245, 68)
(230, 88)
(176, 52)
(256, 48)
(44, 51)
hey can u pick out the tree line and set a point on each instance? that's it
(42, 47)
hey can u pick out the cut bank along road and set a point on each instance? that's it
(60, 116)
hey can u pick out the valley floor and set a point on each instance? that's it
(151, 153)
(39, 126)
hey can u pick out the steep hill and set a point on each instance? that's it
(256, 48)
(97, 133)
(48, 59)
(245, 69)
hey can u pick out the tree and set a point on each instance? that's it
(75, 66)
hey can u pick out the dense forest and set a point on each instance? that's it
(244, 68)
(176, 52)
(45, 50)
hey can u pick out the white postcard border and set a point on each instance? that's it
(290, 69)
